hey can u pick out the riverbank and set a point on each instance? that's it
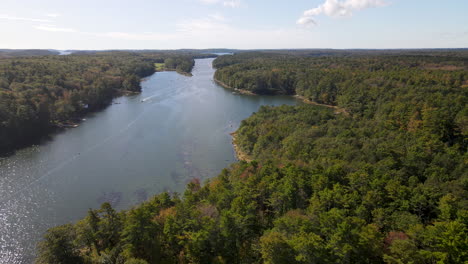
(338, 110)
(188, 74)
(56, 126)
(240, 155)
(241, 91)
(75, 121)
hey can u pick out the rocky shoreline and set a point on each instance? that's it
(240, 155)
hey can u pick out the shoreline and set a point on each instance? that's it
(188, 74)
(240, 155)
(241, 91)
(75, 122)
(338, 110)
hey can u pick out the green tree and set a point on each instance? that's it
(58, 248)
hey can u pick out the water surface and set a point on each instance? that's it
(176, 129)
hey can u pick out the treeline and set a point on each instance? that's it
(406, 91)
(180, 64)
(9, 53)
(40, 93)
(349, 81)
(387, 183)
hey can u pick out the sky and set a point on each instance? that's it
(237, 24)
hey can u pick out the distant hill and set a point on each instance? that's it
(463, 52)
(9, 53)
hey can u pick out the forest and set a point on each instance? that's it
(10, 53)
(384, 180)
(38, 94)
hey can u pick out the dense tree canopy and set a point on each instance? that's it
(354, 82)
(10, 53)
(42, 92)
(383, 182)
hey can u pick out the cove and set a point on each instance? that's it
(178, 128)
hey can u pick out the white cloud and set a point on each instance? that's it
(8, 17)
(210, 31)
(337, 8)
(306, 20)
(54, 28)
(227, 3)
(44, 27)
(185, 29)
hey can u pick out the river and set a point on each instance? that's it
(176, 129)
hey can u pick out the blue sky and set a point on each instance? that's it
(243, 24)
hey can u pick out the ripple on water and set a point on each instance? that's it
(22, 206)
(22, 219)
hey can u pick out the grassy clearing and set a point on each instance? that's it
(159, 66)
